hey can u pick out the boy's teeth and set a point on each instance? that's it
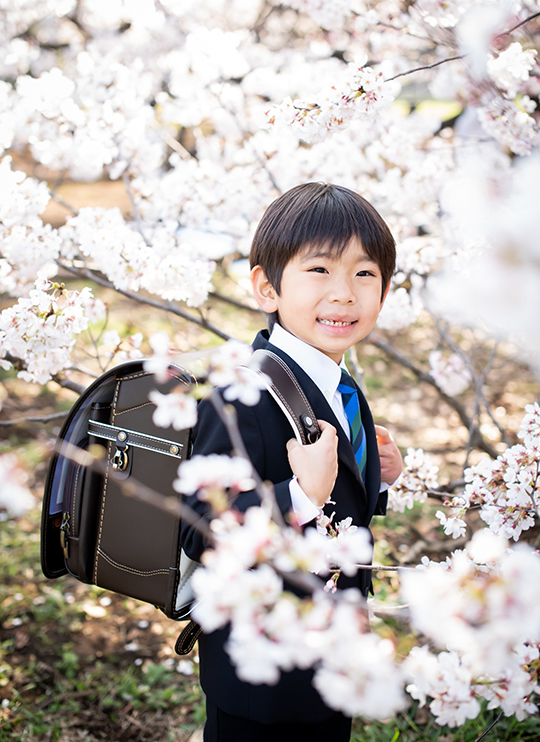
(334, 322)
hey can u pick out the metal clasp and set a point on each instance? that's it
(64, 530)
(311, 427)
(120, 459)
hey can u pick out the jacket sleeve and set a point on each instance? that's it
(382, 503)
(210, 437)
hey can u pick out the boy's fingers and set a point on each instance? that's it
(292, 444)
(383, 436)
(326, 427)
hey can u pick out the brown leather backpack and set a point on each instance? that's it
(92, 524)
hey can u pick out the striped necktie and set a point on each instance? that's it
(351, 405)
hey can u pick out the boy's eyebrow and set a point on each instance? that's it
(321, 253)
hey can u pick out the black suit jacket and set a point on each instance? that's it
(265, 432)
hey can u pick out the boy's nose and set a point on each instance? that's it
(341, 291)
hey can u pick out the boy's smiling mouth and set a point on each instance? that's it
(336, 323)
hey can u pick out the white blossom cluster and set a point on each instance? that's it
(27, 246)
(456, 692)
(91, 117)
(418, 477)
(360, 91)
(477, 606)
(273, 630)
(451, 375)
(225, 368)
(39, 329)
(506, 489)
(330, 15)
(164, 265)
(228, 369)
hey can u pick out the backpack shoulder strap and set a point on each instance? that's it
(287, 392)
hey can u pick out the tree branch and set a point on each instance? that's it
(497, 720)
(170, 307)
(477, 439)
(19, 365)
(60, 200)
(31, 419)
(136, 215)
(170, 141)
(462, 56)
(426, 67)
(233, 302)
(521, 23)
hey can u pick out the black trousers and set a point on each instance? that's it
(223, 727)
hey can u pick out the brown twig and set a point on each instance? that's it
(136, 215)
(461, 56)
(521, 23)
(170, 307)
(233, 302)
(426, 67)
(170, 141)
(133, 488)
(499, 717)
(32, 419)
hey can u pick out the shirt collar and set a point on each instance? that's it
(319, 367)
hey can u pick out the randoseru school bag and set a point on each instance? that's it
(93, 526)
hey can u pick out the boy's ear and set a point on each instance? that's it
(387, 289)
(263, 291)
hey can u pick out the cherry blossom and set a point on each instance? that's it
(418, 477)
(506, 489)
(176, 409)
(227, 369)
(213, 472)
(39, 330)
(208, 110)
(452, 375)
(360, 91)
(475, 609)
(446, 680)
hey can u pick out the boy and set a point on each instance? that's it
(322, 259)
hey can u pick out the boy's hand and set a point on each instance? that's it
(316, 465)
(391, 461)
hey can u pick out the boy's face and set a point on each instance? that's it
(329, 302)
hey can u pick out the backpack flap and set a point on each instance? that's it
(137, 549)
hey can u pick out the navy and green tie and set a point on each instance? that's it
(351, 405)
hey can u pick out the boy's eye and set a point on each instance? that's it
(317, 269)
(365, 273)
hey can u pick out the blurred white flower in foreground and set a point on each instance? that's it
(15, 497)
(228, 369)
(482, 611)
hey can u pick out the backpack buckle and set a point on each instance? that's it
(120, 459)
